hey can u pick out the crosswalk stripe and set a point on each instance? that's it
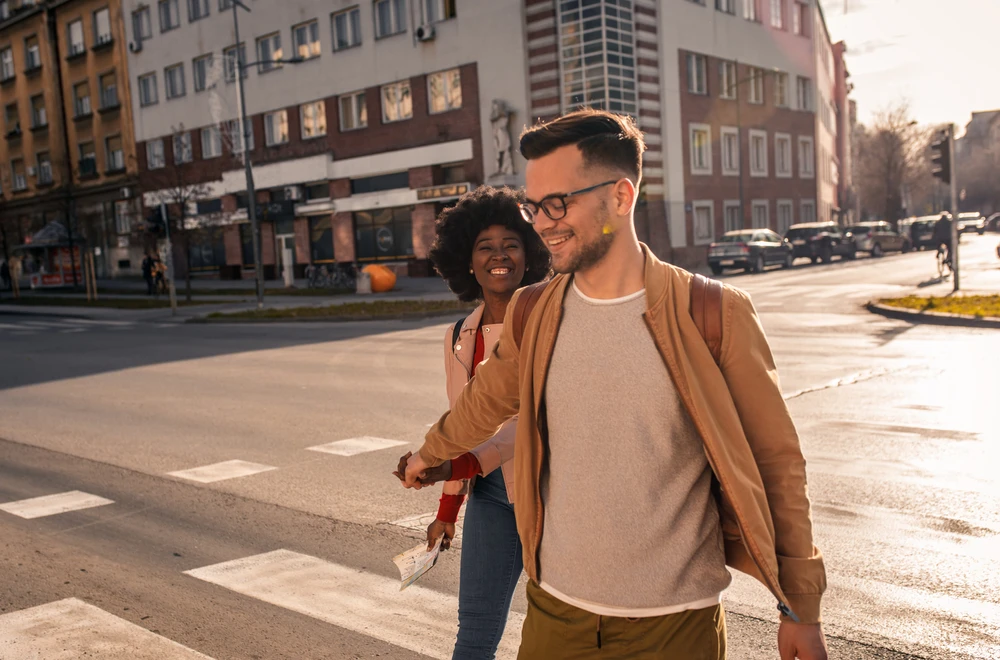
(207, 474)
(70, 628)
(50, 505)
(419, 619)
(355, 446)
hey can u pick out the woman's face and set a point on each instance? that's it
(498, 260)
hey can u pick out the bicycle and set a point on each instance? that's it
(943, 262)
(317, 277)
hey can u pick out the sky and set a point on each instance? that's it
(942, 56)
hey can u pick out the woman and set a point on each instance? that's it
(485, 251)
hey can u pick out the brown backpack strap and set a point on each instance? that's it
(706, 310)
(522, 310)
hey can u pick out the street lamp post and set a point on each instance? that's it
(238, 68)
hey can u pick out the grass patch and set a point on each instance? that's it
(976, 306)
(108, 303)
(355, 311)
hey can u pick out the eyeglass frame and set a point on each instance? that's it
(562, 197)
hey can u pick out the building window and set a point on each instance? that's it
(397, 103)
(20, 182)
(201, 69)
(6, 64)
(728, 6)
(197, 9)
(806, 158)
(444, 90)
(229, 56)
(383, 234)
(782, 155)
(225, 5)
(760, 210)
(704, 222)
(315, 191)
(269, 52)
(751, 10)
(697, 78)
(439, 10)
(807, 210)
(12, 118)
(804, 93)
(731, 216)
(4, 10)
(758, 153)
(276, 128)
(781, 89)
(173, 80)
(730, 150)
(800, 18)
(390, 17)
(44, 168)
(727, 79)
(148, 90)
(39, 119)
(346, 27)
(235, 136)
(32, 54)
(109, 90)
(81, 99)
(321, 239)
(211, 142)
(102, 27)
(155, 158)
(115, 155)
(313, 119)
(74, 34)
(756, 82)
(88, 159)
(701, 149)
(182, 148)
(170, 15)
(353, 111)
(778, 14)
(305, 39)
(784, 215)
(142, 24)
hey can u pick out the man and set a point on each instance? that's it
(942, 235)
(627, 424)
(147, 273)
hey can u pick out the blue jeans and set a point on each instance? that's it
(491, 566)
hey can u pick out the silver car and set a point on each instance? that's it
(877, 238)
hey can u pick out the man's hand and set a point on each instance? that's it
(437, 529)
(414, 473)
(802, 641)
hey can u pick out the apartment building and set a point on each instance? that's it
(846, 118)
(827, 121)
(68, 149)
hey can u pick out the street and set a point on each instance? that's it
(285, 551)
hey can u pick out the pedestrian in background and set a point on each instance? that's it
(147, 273)
(629, 426)
(485, 251)
(5, 275)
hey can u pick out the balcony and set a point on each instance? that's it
(33, 66)
(109, 100)
(14, 133)
(81, 110)
(88, 168)
(103, 42)
(76, 51)
(40, 126)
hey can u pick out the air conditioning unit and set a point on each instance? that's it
(293, 193)
(425, 32)
(31, 170)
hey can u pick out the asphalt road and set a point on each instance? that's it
(294, 559)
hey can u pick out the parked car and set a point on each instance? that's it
(922, 233)
(749, 249)
(993, 223)
(819, 241)
(877, 238)
(971, 222)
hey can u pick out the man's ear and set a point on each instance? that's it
(625, 194)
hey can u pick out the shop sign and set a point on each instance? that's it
(384, 238)
(442, 192)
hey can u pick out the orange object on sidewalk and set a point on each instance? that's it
(383, 278)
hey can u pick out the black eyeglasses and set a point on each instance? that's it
(554, 205)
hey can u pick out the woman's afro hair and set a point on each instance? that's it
(458, 227)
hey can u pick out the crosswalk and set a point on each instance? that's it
(23, 327)
(774, 297)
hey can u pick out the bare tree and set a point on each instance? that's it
(979, 177)
(890, 156)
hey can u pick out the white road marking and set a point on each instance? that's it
(355, 446)
(419, 619)
(50, 505)
(221, 471)
(72, 330)
(70, 629)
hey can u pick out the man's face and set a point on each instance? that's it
(581, 238)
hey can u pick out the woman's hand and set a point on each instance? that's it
(438, 529)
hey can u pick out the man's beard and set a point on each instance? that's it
(590, 253)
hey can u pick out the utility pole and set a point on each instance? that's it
(170, 260)
(954, 204)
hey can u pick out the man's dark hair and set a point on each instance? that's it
(458, 227)
(606, 139)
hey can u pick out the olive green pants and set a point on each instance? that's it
(554, 630)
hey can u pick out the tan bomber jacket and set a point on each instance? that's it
(737, 407)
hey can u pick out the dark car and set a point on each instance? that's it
(819, 241)
(922, 234)
(877, 238)
(750, 249)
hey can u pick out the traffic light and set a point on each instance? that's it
(941, 157)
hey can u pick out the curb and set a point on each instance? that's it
(418, 316)
(932, 318)
(22, 311)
